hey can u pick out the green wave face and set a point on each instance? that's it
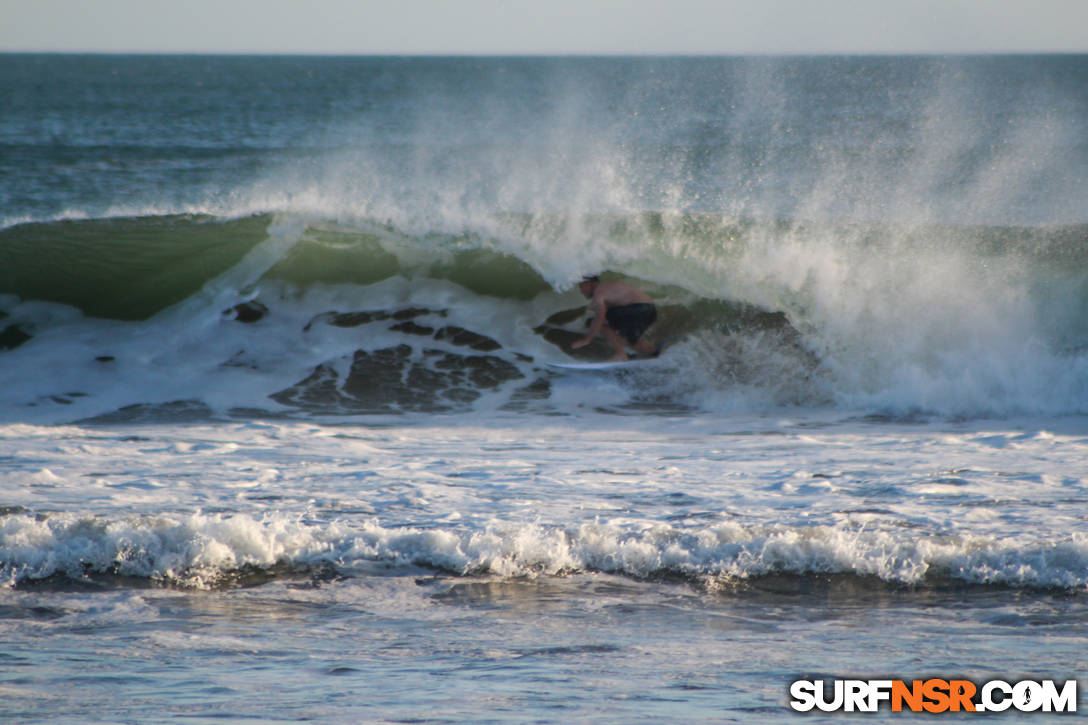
(708, 267)
(126, 268)
(337, 256)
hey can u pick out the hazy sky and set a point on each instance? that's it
(545, 26)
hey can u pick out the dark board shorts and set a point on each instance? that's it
(631, 321)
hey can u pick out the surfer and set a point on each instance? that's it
(621, 313)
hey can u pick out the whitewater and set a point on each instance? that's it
(280, 437)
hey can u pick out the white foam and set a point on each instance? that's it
(195, 550)
(703, 497)
(199, 550)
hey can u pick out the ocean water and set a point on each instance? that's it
(280, 438)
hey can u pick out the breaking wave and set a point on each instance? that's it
(898, 320)
(206, 550)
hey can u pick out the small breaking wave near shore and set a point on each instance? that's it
(684, 498)
(204, 551)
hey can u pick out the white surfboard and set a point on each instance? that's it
(587, 365)
(609, 365)
(598, 366)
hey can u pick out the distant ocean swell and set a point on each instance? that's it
(956, 320)
(203, 550)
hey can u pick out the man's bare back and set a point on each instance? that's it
(614, 294)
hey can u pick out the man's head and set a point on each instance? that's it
(588, 285)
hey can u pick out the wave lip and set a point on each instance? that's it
(208, 550)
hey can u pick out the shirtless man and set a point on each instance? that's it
(621, 312)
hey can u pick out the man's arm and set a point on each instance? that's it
(599, 311)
